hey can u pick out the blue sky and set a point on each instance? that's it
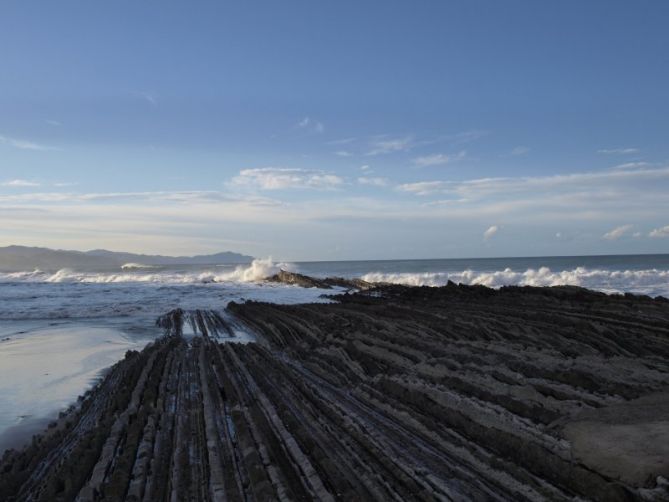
(336, 130)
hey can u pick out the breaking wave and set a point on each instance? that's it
(649, 281)
(135, 266)
(134, 293)
(132, 272)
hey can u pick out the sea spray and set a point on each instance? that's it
(67, 293)
(258, 270)
(650, 280)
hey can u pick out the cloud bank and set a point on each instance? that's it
(21, 144)
(19, 183)
(276, 178)
(659, 233)
(438, 159)
(490, 232)
(617, 232)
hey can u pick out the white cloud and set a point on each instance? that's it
(21, 144)
(422, 187)
(51, 122)
(365, 168)
(192, 197)
(310, 124)
(149, 97)
(343, 141)
(382, 145)
(636, 196)
(617, 232)
(484, 187)
(235, 211)
(19, 183)
(438, 159)
(632, 165)
(378, 182)
(343, 153)
(659, 232)
(275, 178)
(520, 150)
(464, 137)
(618, 151)
(490, 233)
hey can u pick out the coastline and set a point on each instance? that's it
(416, 392)
(45, 365)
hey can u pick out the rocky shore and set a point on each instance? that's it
(305, 281)
(391, 393)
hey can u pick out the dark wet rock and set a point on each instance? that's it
(343, 282)
(395, 393)
(626, 440)
(295, 279)
(196, 322)
(305, 281)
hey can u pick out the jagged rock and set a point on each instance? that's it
(293, 278)
(305, 281)
(196, 322)
(395, 393)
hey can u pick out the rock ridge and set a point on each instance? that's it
(394, 393)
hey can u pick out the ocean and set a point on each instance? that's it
(139, 291)
(59, 329)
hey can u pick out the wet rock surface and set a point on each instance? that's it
(305, 281)
(396, 393)
(209, 323)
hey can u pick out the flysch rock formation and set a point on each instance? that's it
(395, 393)
(305, 281)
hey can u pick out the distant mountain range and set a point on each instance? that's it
(20, 258)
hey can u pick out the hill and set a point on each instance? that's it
(19, 258)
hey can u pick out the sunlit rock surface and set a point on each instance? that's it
(305, 281)
(397, 393)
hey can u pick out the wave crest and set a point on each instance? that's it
(135, 266)
(258, 270)
(649, 281)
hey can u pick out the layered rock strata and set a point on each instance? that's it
(453, 393)
(305, 281)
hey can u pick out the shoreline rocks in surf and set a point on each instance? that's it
(460, 392)
(305, 281)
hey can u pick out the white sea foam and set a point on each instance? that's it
(135, 266)
(649, 281)
(73, 294)
(258, 270)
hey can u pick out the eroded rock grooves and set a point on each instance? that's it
(453, 393)
(197, 322)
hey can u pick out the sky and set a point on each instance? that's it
(322, 130)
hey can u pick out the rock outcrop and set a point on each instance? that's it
(396, 393)
(305, 281)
